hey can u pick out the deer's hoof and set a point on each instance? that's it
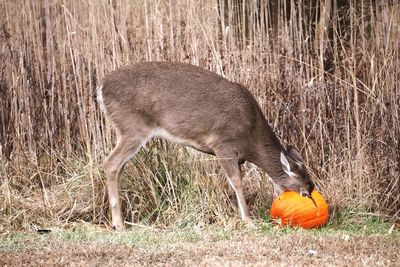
(118, 228)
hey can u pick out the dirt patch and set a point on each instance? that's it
(293, 249)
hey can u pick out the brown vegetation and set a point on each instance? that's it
(327, 83)
(202, 248)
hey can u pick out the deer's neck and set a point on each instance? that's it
(267, 153)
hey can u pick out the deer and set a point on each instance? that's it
(188, 105)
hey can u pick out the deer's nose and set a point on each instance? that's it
(304, 193)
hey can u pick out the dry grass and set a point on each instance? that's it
(208, 246)
(328, 84)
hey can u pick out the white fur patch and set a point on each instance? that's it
(241, 208)
(162, 133)
(114, 202)
(240, 204)
(100, 100)
(286, 166)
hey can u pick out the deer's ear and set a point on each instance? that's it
(294, 153)
(285, 164)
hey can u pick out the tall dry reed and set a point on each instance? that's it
(325, 72)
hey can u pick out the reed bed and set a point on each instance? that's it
(325, 72)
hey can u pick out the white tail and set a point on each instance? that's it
(195, 107)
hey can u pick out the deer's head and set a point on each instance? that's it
(296, 177)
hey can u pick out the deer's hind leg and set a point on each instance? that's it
(127, 146)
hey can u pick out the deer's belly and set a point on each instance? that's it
(196, 144)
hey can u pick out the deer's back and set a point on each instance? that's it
(180, 98)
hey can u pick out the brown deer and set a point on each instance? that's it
(195, 107)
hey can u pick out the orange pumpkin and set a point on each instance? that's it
(291, 209)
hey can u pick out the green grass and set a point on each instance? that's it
(154, 238)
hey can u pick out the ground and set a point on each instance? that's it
(262, 245)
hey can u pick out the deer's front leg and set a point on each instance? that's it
(234, 175)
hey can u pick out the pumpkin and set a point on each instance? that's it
(292, 209)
